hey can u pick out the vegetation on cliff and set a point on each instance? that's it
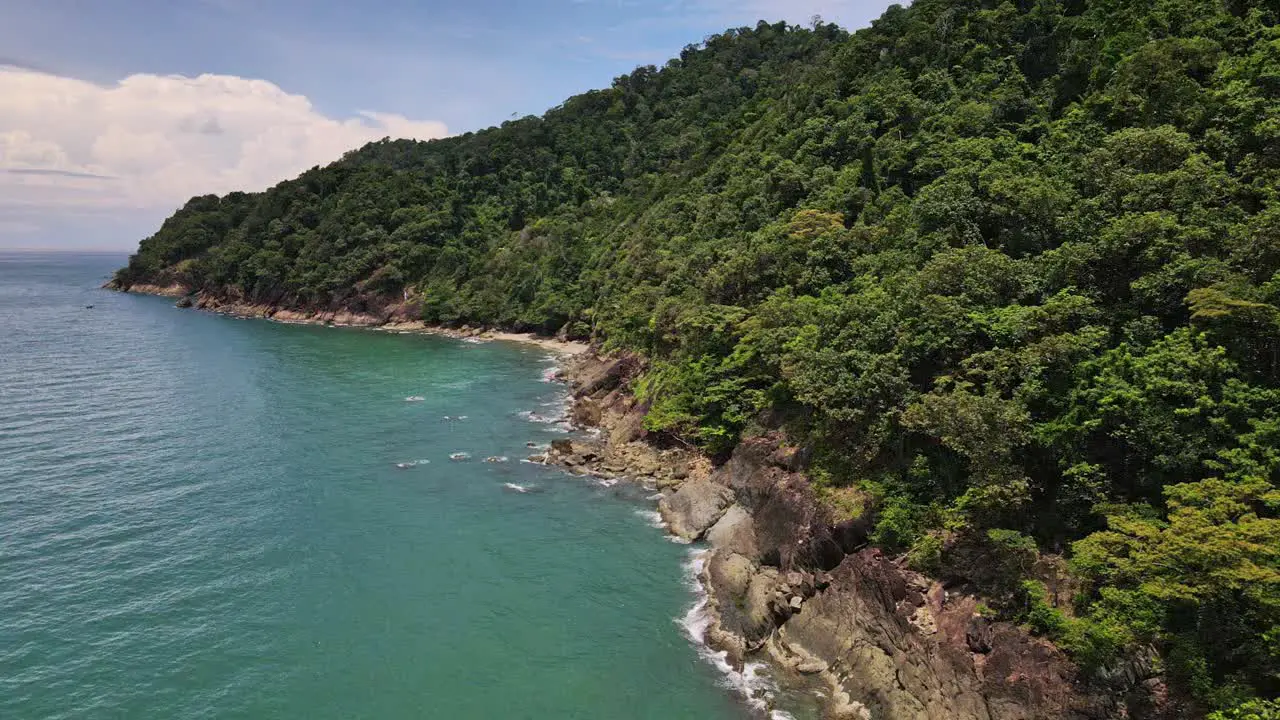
(1010, 269)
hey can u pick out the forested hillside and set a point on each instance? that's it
(1011, 270)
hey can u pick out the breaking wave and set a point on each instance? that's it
(752, 682)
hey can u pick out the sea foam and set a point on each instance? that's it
(753, 682)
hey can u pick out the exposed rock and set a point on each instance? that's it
(601, 375)
(586, 413)
(626, 428)
(730, 573)
(760, 609)
(696, 506)
(791, 528)
(884, 663)
(185, 302)
(734, 532)
(978, 635)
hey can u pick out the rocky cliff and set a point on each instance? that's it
(791, 582)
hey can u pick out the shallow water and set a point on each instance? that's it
(204, 517)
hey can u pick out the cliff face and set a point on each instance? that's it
(879, 635)
(788, 582)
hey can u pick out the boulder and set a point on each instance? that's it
(730, 575)
(586, 413)
(696, 506)
(734, 532)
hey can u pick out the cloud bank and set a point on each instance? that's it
(149, 142)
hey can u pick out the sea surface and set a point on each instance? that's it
(205, 517)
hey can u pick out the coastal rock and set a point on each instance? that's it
(734, 532)
(761, 608)
(626, 428)
(792, 530)
(696, 506)
(600, 375)
(586, 413)
(881, 661)
(730, 573)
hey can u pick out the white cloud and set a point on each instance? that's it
(851, 14)
(151, 141)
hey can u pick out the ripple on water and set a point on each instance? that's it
(202, 519)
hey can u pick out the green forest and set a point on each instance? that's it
(1010, 270)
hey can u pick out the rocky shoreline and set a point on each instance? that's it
(789, 583)
(394, 318)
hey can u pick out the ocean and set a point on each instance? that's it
(206, 517)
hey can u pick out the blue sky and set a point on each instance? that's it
(417, 69)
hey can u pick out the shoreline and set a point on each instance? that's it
(392, 323)
(612, 448)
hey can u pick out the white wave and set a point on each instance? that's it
(534, 417)
(655, 496)
(412, 464)
(753, 682)
(496, 459)
(607, 482)
(517, 488)
(414, 398)
(458, 456)
(653, 518)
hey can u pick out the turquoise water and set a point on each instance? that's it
(202, 517)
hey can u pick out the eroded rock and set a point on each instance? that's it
(695, 507)
(734, 532)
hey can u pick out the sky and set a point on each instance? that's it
(114, 112)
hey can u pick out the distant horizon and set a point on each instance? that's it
(64, 251)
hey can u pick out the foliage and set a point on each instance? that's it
(1009, 269)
